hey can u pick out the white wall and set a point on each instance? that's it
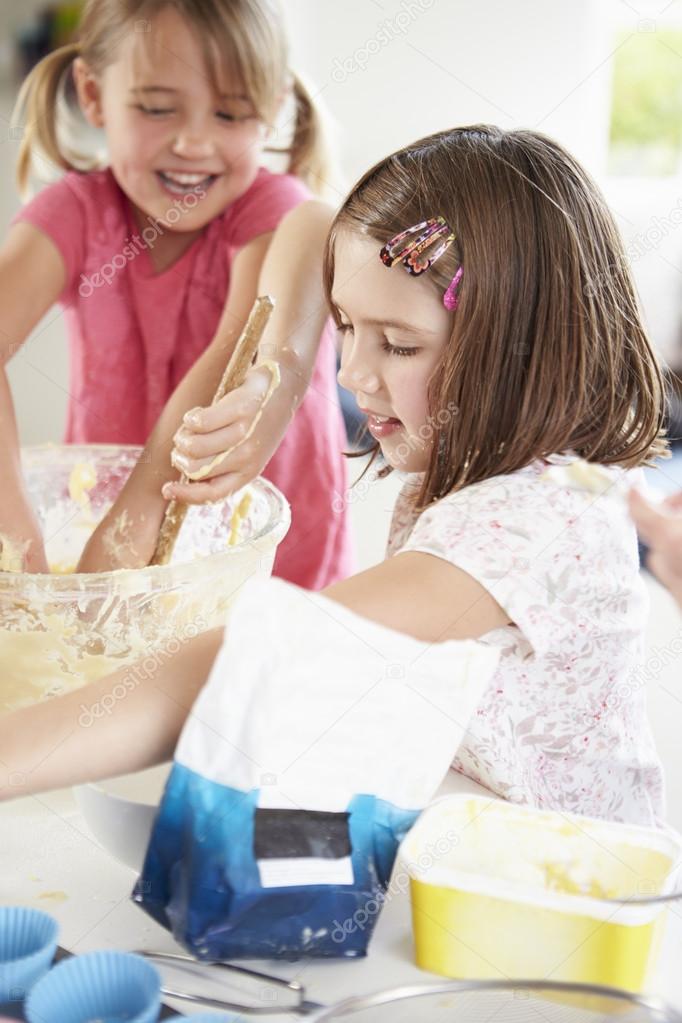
(38, 373)
(449, 62)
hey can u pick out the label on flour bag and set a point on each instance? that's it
(307, 757)
(294, 847)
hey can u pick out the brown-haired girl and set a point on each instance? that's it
(490, 330)
(172, 240)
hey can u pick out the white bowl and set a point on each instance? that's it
(120, 812)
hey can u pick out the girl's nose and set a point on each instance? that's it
(355, 373)
(192, 145)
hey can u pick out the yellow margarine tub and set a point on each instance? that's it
(505, 891)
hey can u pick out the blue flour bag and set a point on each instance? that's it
(307, 756)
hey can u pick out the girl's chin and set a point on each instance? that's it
(404, 456)
(172, 215)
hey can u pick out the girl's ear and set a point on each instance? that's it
(268, 129)
(89, 93)
(285, 94)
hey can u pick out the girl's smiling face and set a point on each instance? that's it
(395, 330)
(175, 141)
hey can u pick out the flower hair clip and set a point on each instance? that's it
(413, 247)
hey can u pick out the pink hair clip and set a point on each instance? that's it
(451, 296)
(408, 247)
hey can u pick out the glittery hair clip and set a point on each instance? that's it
(413, 247)
(451, 296)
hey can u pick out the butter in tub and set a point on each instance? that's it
(500, 890)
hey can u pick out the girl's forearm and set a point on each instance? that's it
(20, 539)
(10, 462)
(142, 493)
(110, 727)
(286, 266)
(134, 519)
(143, 489)
(292, 274)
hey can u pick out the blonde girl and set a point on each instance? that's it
(167, 243)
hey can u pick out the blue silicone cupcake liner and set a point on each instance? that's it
(109, 986)
(28, 941)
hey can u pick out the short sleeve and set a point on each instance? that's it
(263, 206)
(527, 542)
(58, 211)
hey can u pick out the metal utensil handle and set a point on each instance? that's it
(221, 1003)
(233, 376)
(301, 1006)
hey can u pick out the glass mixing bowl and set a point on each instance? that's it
(59, 631)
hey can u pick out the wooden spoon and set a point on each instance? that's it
(234, 376)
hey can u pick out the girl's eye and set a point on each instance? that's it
(155, 111)
(398, 349)
(344, 328)
(237, 115)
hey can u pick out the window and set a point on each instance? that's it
(646, 109)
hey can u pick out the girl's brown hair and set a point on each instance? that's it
(548, 352)
(246, 36)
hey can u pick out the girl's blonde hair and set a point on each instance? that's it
(548, 352)
(246, 36)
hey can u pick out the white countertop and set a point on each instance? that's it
(49, 860)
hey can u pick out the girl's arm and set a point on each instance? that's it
(48, 745)
(292, 275)
(285, 265)
(660, 527)
(32, 277)
(86, 735)
(423, 596)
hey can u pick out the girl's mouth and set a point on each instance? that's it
(382, 426)
(178, 183)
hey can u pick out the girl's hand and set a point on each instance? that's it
(660, 527)
(21, 545)
(245, 427)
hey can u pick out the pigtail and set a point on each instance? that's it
(309, 157)
(37, 107)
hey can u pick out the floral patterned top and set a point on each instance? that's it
(563, 722)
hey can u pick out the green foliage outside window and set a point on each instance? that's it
(646, 114)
